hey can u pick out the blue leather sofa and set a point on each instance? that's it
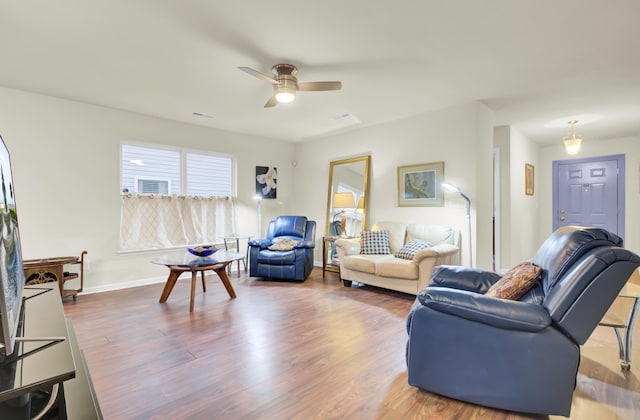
(295, 264)
(516, 355)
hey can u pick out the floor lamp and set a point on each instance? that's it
(259, 200)
(455, 189)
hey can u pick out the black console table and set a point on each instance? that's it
(47, 372)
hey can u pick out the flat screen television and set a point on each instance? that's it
(11, 269)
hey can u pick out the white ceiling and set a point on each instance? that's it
(531, 61)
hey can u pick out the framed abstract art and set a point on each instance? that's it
(266, 182)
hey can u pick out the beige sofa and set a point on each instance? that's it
(390, 272)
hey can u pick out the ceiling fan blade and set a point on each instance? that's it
(271, 102)
(258, 74)
(316, 86)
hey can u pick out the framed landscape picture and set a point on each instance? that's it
(420, 185)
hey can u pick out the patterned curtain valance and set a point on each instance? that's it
(152, 221)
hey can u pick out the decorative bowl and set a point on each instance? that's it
(203, 250)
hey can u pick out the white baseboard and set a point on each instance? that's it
(123, 285)
(128, 284)
(138, 283)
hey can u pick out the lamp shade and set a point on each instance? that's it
(344, 201)
(572, 146)
(450, 187)
(572, 140)
(285, 91)
(360, 206)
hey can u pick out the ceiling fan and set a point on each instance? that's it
(285, 84)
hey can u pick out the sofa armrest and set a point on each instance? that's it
(349, 246)
(499, 313)
(260, 243)
(305, 244)
(440, 250)
(463, 278)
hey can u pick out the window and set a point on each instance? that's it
(173, 198)
(174, 171)
(152, 186)
(208, 174)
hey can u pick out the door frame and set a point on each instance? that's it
(621, 183)
(497, 216)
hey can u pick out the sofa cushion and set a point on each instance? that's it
(436, 234)
(408, 251)
(375, 242)
(364, 263)
(397, 233)
(283, 244)
(268, 257)
(398, 268)
(535, 295)
(516, 282)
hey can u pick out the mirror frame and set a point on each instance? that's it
(365, 210)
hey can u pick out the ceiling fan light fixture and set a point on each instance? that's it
(285, 90)
(572, 140)
(284, 97)
(285, 83)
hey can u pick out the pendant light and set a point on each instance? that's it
(572, 140)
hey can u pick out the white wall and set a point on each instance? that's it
(65, 159)
(527, 220)
(502, 141)
(66, 167)
(628, 146)
(524, 238)
(519, 215)
(461, 136)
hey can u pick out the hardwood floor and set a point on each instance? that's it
(315, 350)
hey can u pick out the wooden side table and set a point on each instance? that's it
(52, 270)
(629, 291)
(328, 266)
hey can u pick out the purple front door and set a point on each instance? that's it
(590, 192)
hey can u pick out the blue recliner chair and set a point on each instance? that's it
(293, 264)
(519, 355)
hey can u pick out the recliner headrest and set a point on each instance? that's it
(290, 226)
(567, 245)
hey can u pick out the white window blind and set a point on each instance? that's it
(148, 163)
(208, 175)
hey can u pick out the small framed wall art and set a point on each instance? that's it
(528, 178)
(420, 185)
(266, 181)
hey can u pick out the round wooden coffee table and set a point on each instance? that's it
(179, 264)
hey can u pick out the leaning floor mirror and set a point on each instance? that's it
(348, 196)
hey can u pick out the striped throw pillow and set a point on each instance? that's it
(408, 251)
